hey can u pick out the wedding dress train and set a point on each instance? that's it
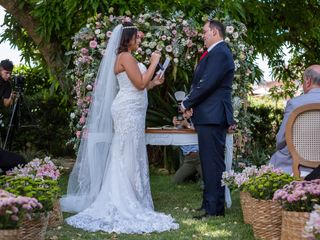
(124, 203)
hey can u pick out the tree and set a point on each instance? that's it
(43, 30)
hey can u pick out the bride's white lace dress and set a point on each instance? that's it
(124, 204)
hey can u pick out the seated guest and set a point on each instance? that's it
(9, 160)
(311, 88)
(191, 161)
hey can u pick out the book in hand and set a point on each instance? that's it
(163, 67)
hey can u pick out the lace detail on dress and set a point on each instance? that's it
(124, 203)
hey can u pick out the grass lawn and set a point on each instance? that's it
(177, 201)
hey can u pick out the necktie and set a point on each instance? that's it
(203, 55)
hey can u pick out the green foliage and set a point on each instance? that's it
(44, 109)
(265, 119)
(264, 186)
(45, 191)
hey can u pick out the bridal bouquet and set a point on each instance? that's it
(299, 196)
(312, 228)
(37, 169)
(13, 209)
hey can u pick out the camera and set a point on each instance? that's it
(18, 83)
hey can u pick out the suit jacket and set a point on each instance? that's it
(282, 158)
(210, 95)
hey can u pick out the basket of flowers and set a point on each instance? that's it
(297, 200)
(43, 169)
(267, 213)
(236, 180)
(312, 228)
(45, 191)
(13, 211)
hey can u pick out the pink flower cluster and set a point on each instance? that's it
(236, 180)
(299, 195)
(14, 208)
(37, 168)
(312, 228)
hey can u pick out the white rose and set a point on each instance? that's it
(235, 35)
(229, 29)
(97, 31)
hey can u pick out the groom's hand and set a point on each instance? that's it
(188, 113)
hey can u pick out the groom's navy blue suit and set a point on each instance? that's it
(210, 98)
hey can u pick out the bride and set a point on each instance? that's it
(109, 185)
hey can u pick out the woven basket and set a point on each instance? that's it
(35, 229)
(10, 234)
(56, 217)
(247, 205)
(267, 219)
(293, 224)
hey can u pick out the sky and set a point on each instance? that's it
(14, 54)
(5, 49)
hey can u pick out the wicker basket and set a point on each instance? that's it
(56, 217)
(247, 205)
(293, 224)
(267, 219)
(35, 229)
(10, 234)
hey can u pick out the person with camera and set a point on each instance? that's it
(6, 94)
(190, 162)
(8, 160)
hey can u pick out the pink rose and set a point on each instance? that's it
(82, 120)
(108, 34)
(84, 51)
(78, 133)
(93, 44)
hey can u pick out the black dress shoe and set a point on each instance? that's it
(199, 209)
(202, 216)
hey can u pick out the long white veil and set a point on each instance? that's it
(87, 174)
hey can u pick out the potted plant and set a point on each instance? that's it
(13, 210)
(236, 180)
(297, 200)
(45, 191)
(267, 213)
(43, 169)
(312, 227)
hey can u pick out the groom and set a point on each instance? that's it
(209, 104)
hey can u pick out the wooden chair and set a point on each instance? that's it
(303, 137)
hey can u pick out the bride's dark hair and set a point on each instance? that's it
(129, 31)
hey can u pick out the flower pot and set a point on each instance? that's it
(293, 224)
(35, 229)
(247, 206)
(9, 234)
(56, 217)
(267, 219)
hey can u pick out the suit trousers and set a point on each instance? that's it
(211, 139)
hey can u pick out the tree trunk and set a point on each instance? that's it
(51, 51)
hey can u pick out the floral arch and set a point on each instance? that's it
(176, 37)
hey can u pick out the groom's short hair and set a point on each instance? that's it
(219, 26)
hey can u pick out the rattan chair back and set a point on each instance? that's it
(303, 136)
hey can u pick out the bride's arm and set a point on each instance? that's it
(155, 82)
(129, 63)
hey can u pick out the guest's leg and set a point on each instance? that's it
(183, 172)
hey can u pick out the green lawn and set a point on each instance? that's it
(176, 200)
